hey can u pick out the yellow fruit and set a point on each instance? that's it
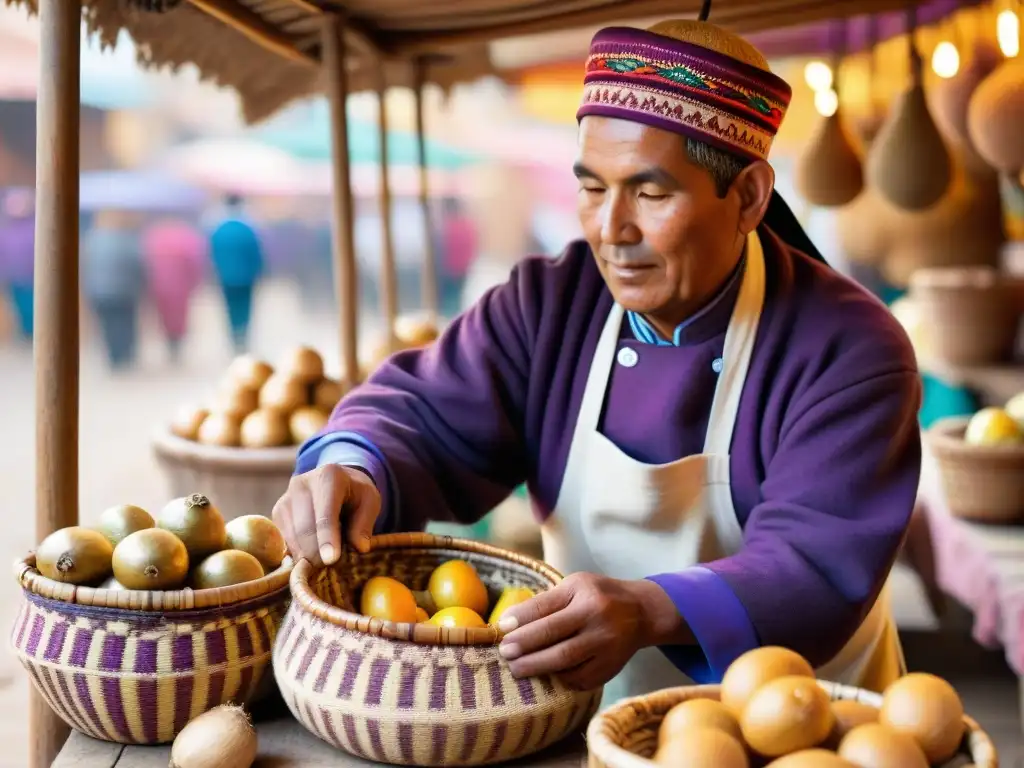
(992, 426)
(456, 584)
(388, 600)
(511, 596)
(1015, 408)
(457, 617)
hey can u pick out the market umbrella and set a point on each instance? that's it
(144, 190)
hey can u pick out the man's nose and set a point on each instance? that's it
(618, 223)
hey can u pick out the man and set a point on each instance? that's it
(238, 260)
(175, 254)
(718, 431)
(17, 254)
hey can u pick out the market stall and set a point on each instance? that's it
(271, 52)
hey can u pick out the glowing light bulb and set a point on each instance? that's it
(826, 102)
(1008, 33)
(946, 59)
(818, 75)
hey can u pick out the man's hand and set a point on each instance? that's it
(309, 513)
(587, 628)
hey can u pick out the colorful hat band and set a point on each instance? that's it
(684, 88)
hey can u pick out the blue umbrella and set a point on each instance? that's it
(148, 191)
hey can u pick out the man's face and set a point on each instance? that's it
(662, 238)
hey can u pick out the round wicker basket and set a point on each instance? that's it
(134, 667)
(973, 313)
(245, 481)
(416, 694)
(626, 734)
(980, 483)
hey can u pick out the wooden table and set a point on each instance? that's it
(283, 744)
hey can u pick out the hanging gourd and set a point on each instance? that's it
(908, 162)
(829, 173)
(995, 117)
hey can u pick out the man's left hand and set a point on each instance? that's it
(587, 628)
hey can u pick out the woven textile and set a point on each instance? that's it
(136, 677)
(686, 88)
(410, 703)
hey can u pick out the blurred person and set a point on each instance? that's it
(114, 281)
(718, 431)
(175, 254)
(459, 244)
(237, 256)
(17, 255)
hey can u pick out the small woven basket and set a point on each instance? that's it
(983, 483)
(626, 734)
(972, 313)
(245, 481)
(416, 694)
(134, 667)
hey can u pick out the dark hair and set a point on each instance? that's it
(723, 166)
(232, 199)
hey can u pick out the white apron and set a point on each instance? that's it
(628, 520)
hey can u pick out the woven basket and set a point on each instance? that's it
(984, 483)
(135, 667)
(416, 694)
(972, 313)
(626, 734)
(244, 481)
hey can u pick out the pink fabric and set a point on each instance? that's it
(176, 258)
(981, 567)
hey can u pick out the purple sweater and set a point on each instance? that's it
(826, 453)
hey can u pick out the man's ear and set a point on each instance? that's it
(754, 185)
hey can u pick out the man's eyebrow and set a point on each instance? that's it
(580, 171)
(653, 175)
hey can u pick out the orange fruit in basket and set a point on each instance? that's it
(456, 584)
(422, 616)
(457, 617)
(388, 600)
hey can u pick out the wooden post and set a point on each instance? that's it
(56, 305)
(388, 275)
(429, 281)
(346, 284)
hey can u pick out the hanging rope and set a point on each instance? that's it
(705, 11)
(916, 62)
(838, 46)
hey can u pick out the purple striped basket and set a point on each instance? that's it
(135, 667)
(416, 694)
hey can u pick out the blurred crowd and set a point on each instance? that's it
(133, 262)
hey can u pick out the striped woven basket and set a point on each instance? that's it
(626, 734)
(416, 694)
(135, 667)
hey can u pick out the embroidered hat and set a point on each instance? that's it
(689, 77)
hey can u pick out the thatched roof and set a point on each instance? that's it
(269, 50)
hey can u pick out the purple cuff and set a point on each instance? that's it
(351, 450)
(717, 619)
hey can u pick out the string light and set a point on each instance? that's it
(818, 75)
(946, 59)
(1008, 33)
(826, 102)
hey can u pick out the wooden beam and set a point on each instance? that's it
(428, 282)
(346, 281)
(355, 29)
(388, 273)
(56, 305)
(256, 28)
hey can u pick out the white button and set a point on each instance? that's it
(717, 364)
(628, 357)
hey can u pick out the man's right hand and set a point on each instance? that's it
(309, 514)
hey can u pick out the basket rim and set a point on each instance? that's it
(168, 446)
(421, 634)
(945, 437)
(170, 601)
(597, 732)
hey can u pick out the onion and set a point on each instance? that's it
(187, 421)
(258, 536)
(265, 428)
(221, 429)
(153, 559)
(237, 400)
(75, 555)
(326, 394)
(283, 393)
(118, 522)
(248, 371)
(305, 423)
(304, 364)
(223, 569)
(195, 521)
(220, 738)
